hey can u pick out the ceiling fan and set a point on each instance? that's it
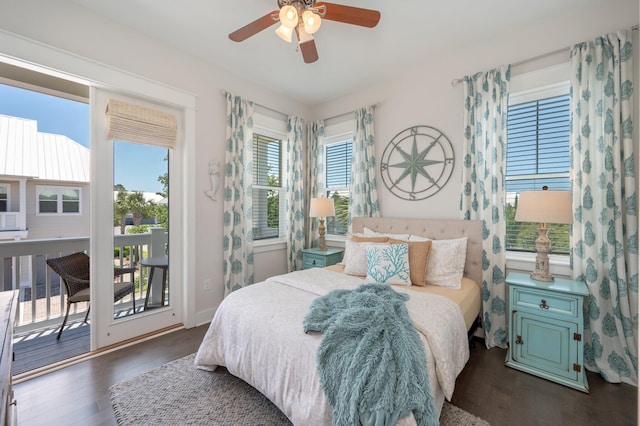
(303, 17)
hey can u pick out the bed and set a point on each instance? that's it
(257, 331)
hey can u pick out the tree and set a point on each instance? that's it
(273, 203)
(120, 207)
(139, 207)
(162, 210)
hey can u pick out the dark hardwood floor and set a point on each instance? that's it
(504, 396)
(79, 394)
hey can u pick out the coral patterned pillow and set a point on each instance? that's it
(388, 264)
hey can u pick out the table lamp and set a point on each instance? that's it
(321, 207)
(544, 207)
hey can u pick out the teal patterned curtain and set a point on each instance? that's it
(605, 228)
(315, 176)
(363, 192)
(483, 173)
(238, 195)
(295, 194)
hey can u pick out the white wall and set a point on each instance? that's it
(70, 28)
(425, 96)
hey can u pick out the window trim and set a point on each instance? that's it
(59, 200)
(561, 89)
(533, 88)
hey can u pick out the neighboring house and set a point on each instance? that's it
(44, 188)
(44, 183)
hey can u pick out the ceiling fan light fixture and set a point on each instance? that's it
(303, 35)
(288, 16)
(285, 33)
(312, 21)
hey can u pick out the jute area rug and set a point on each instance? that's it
(179, 394)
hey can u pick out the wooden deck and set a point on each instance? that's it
(39, 348)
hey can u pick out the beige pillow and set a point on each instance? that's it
(418, 259)
(360, 239)
(371, 233)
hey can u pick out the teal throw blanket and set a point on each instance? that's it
(371, 361)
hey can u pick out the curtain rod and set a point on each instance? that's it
(457, 81)
(224, 93)
(374, 106)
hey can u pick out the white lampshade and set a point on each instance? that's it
(311, 21)
(288, 16)
(284, 33)
(321, 207)
(545, 207)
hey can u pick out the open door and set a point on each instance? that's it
(133, 228)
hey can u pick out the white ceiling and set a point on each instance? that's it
(410, 33)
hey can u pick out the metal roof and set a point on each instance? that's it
(25, 152)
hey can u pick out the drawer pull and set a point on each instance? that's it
(519, 340)
(543, 304)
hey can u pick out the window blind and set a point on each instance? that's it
(537, 155)
(338, 164)
(134, 123)
(338, 178)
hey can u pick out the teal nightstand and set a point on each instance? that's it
(316, 258)
(546, 329)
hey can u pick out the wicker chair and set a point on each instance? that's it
(73, 270)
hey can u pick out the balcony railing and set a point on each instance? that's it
(42, 295)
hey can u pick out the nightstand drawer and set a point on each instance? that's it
(315, 258)
(311, 261)
(544, 302)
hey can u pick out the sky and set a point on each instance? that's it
(137, 167)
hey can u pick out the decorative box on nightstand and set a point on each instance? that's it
(316, 258)
(546, 329)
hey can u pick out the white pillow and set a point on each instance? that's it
(446, 262)
(388, 264)
(418, 238)
(371, 233)
(355, 257)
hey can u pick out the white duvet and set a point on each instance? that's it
(257, 335)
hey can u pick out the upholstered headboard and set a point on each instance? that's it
(436, 229)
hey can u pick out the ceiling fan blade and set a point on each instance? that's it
(254, 27)
(351, 15)
(309, 52)
(307, 46)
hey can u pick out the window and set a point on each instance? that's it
(538, 154)
(338, 178)
(268, 192)
(4, 198)
(58, 200)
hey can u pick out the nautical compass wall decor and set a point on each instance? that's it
(417, 163)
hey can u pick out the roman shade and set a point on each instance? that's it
(134, 123)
